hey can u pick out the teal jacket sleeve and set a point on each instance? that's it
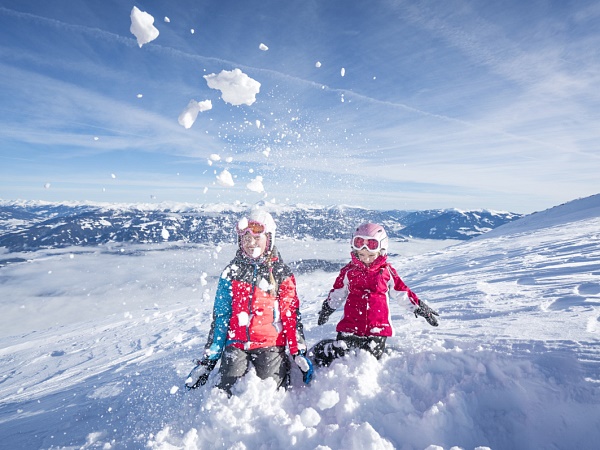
(220, 323)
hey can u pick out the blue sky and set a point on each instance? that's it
(465, 104)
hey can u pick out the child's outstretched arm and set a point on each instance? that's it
(422, 309)
(337, 296)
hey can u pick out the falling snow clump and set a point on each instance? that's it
(236, 87)
(256, 185)
(225, 179)
(190, 113)
(142, 26)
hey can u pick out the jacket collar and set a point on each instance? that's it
(379, 262)
(273, 256)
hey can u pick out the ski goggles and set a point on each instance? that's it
(371, 244)
(249, 226)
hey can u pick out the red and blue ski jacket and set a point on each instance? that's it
(365, 293)
(256, 306)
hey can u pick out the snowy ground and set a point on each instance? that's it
(95, 344)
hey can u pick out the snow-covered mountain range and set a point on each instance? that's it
(31, 226)
(95, 343)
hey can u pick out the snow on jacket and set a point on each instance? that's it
(247, 315)
(365, 293)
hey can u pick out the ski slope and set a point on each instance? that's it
(95, 345)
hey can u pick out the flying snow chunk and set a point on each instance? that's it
(256, 185)
(262, 284)
(225, 179)
(113, 176)
(142, 26)
(167, 20)
(243, 319)
(215, 157)
(190, 113)
(343, 72)
(165, 234)
(318, 64)
(236, 87)
(263, 47)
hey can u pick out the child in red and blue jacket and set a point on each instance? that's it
(364, 287)
(256, 313)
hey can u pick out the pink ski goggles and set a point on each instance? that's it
(371, 244)
(249, 226)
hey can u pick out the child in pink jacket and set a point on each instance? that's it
(364, 288)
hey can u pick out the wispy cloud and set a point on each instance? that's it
(470, 100)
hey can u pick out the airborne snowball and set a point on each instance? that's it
(190, 113)
(142, 26)
(236, 87)
(243, 319)
(225, 179)
(263, 47)
(256, 185)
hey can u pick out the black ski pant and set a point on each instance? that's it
(328, 350)
(269, 362)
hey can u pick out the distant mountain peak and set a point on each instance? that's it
(27, 226)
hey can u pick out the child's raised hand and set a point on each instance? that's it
(425, 311)
(326, 311)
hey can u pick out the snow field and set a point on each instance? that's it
(96, 353)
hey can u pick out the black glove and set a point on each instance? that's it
(326, 311)
(425, 311)
(199, 374)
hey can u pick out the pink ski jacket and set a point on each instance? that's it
(365, 293)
